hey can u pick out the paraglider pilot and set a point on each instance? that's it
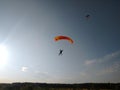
(61, 52)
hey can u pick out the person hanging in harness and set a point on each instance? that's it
(61, 52)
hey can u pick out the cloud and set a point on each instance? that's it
(109, 57)
(106, 65)
(89, 62)
(106, 58)
(24, 69)
(111, 69)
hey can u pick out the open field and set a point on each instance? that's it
(45, 86)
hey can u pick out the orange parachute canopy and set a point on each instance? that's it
(57, 38)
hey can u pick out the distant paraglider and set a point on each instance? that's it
(87, 16)
(89, 13)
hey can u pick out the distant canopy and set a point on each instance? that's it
(57, 38)
(87, 16)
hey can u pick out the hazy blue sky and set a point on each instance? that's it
(28, 28)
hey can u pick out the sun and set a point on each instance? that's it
(3, 55)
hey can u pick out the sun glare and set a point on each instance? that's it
(3, 55)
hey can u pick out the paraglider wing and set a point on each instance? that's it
(57, 38)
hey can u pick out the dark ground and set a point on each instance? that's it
(48, 86)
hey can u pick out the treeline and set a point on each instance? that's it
(46, 86)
